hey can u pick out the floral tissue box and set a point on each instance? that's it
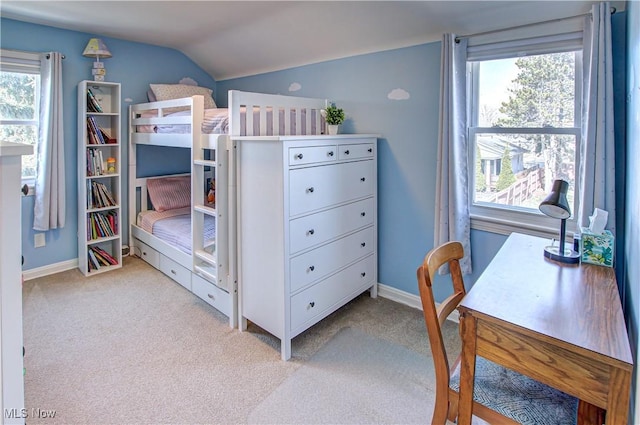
(597, 249)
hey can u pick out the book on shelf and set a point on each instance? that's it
(92, 103)
(102, 257)
(95, 132)
(99, 196)
(93, 261)
(102, 225)
(95, 162)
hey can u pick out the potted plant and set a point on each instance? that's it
(334, 116)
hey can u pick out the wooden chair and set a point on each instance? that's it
(501, 396)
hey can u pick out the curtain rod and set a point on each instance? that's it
(31, 53)
(458, 38)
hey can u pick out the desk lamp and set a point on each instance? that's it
(555, 205)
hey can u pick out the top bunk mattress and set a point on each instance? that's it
(216, 121)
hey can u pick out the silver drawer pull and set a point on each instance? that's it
(363, 244)
(299, 156)
(363, 274)
(346, 152)
(363, 213)
(312, 268)
(330, 153)
(211, 296)
(362, 179)
(173, 272)
(311, 305)
(310, 232)
(310, 189)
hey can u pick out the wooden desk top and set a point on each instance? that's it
(578, 307)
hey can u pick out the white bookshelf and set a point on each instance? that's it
(99, 172)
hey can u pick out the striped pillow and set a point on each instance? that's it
(168, 193)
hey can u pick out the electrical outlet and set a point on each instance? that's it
(39, 240)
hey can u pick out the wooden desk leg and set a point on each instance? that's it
(467, 368)
(618, 399)
(588, 414)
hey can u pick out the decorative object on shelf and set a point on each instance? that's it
(334, 116)
(97, 49)
(555, 205)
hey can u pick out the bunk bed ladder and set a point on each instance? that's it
(208, 190)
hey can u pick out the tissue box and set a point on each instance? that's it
(597, 249)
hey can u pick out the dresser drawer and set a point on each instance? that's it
(175, 271)
(312, 154)
(321, 262)
(329, 294)
(318, 187)
(148, 254)
(365, 150)
(211, 294)
(312, 230)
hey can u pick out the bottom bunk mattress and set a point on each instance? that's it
(174, 227)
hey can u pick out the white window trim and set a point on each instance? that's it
(27, 63)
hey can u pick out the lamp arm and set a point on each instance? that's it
(563, 234)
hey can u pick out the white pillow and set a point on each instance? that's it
(178, 91)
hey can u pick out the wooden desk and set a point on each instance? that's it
(561, 325)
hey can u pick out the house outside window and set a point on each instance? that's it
(524, 130)
(20, 104)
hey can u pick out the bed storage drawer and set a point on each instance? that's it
(175, 271)
(211, 294)
(149, 254)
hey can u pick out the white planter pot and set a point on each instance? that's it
(332, 129)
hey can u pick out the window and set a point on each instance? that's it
(524, 129)
(19, 108)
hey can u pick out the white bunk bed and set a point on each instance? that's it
(208, 268)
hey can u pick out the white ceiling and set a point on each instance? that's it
(231, 39)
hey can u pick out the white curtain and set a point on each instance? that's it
(49, 208)
(597, 150)
(452, 221)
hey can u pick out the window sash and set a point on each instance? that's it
(23, 63)
(504, 219)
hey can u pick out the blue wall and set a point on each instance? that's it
(632, 243)
(134, 65)
(362, 85)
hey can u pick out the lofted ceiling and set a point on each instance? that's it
(231, 39)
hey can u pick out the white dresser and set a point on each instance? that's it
(11, 362)
(307, 228)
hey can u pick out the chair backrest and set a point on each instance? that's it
(449, 253)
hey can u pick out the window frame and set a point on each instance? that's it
(504, 219)
(24, 63)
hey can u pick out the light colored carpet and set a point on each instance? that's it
(355, 378)
(132, 346)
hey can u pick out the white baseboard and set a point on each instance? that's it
(50, 269)
(406, 298)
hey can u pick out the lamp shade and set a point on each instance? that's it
(96, 49)
(555, 204)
